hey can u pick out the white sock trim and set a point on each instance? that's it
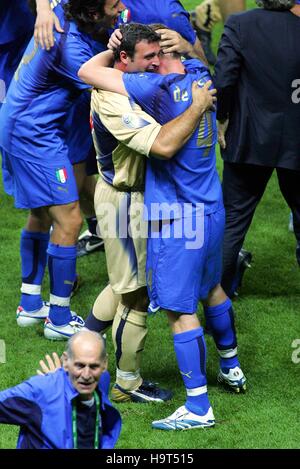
(128, 375)
(31, 289)
(231, 352)
(196, 391)
(59, 300)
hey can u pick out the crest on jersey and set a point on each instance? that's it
(61, 175)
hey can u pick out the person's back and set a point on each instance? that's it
(44, 88)
(191, 176)
(256, 88)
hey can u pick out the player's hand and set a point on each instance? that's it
(114, 40)
(53, 364)
(171, 41)
(46, 20)
(204, 98)
(222, 129)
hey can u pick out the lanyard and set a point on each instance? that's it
(74, 422)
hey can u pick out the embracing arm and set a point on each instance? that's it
(98, 73)
(174, 134)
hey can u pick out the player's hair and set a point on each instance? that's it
(132, 34)
(276, 4)
(83, 12)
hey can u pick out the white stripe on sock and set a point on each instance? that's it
(232, 352)
(128, 375)
(196, 391)
(31, 289)
(59, 300)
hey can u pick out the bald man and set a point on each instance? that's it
(69, 408)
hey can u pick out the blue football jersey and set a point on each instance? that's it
(42, 92)
(191, 176)
(169, 12)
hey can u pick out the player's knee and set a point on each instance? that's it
(216, 296)
(38, 220)
(68, 223)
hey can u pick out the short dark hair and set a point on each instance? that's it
(132, 34)
(82, 13)
(276, 4)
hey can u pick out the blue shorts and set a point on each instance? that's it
(178, 276)
(35, 185)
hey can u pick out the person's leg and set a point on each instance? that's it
(243, 187)
(190, 350)
(129, 333)
(103, 311)
(62, 269)
(219, 317)
(33, 251)
(125, 258)
(203, 19)
(290, 189)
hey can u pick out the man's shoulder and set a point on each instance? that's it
(104, 101)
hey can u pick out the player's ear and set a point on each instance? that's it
(124, 57)
(64, 359)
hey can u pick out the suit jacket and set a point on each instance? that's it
(257, 65)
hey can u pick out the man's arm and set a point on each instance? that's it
(227, 68)
(140, 132)
(18, 404)
(174, 135)
(98, 73)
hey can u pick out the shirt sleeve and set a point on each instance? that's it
(227, 68)
(17, 404)
(71, 54)
(180, 21)
(126, 121)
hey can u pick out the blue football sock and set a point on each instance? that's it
(190, 349)
(62, 271)
(95, 324)
(220, 320)
(33, 251)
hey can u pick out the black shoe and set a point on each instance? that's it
(89, 243)
(147, 392)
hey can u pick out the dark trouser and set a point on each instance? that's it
(243, 187)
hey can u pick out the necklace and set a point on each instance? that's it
(74, 422)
